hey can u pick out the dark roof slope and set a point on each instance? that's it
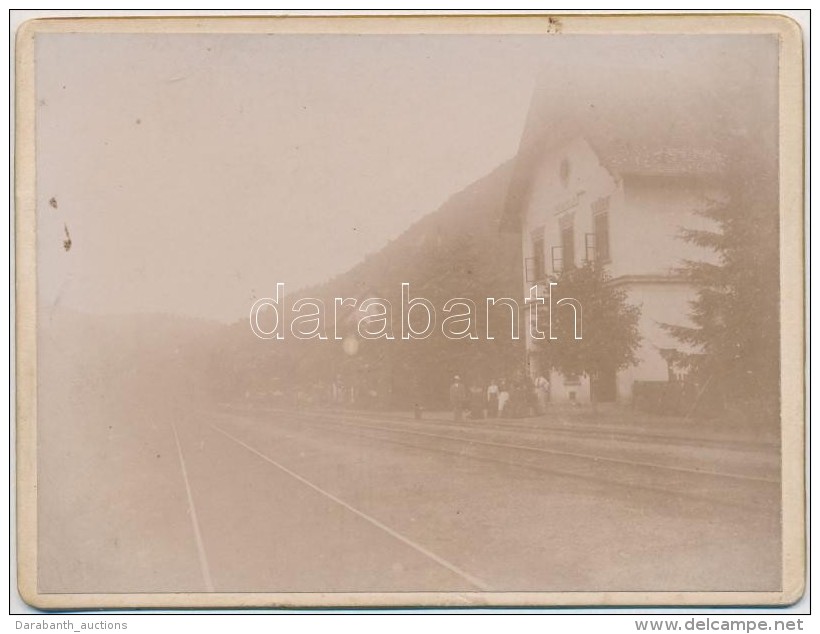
(652, 104)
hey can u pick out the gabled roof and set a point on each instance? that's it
(684, 160)
(652, 105)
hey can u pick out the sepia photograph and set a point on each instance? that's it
(388, 311)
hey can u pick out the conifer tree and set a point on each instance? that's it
(733, 336)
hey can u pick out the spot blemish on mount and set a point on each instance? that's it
(67, 241)
(53, 202)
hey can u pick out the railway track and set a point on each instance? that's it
(519, 450)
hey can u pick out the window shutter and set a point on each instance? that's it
(557, 260)
(589, 248)
(529, 270)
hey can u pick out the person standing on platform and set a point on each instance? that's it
(542, 393)
(503, 397)
(492, 399)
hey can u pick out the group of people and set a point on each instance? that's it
(507, 399)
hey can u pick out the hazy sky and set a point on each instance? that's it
(193, 172)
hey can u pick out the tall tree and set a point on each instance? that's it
(609, 336)
(734, 332)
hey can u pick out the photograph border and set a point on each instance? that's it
(792, 294)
